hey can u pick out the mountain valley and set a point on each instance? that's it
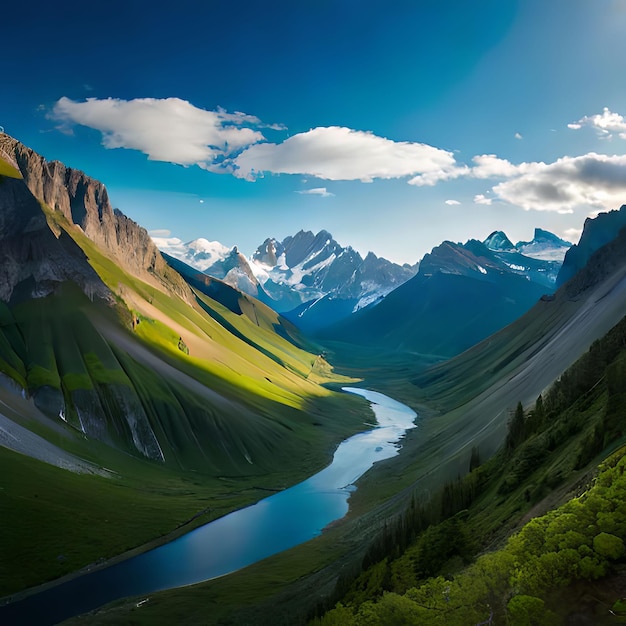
(144, 393)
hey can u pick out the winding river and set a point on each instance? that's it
(243, 537)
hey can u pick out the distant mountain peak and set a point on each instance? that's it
(545, 246)
(499, 241)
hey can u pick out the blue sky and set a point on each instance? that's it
(394, 125)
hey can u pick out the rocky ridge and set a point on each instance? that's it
(84, 202)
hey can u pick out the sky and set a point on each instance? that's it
(394, 124)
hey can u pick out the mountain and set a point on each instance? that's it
(545, 246)
(294, 275)
(461, 294)
(315, 281)
(316, 265)
(499, 241)
(596, 233)
(540, 260)
(215, 259)
(94, 321)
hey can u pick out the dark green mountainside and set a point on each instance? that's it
(461, 294)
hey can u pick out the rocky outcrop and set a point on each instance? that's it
(596, 233)
(33, 259)
(84, 201)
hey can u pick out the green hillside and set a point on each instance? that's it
(194, 408)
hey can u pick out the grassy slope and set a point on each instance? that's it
(245, 416)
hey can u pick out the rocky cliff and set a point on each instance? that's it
(84, 201)
(33, 258)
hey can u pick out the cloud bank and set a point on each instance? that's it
(174, 130)
(592, 180)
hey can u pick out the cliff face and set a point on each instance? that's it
(33, 259)
(596, 233)
(84, 201)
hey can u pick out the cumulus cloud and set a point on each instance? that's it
(339, 153)
(591, 180)
(316, 191)
(482, 199)
(176, 131)
(492, 166)
(168, 129)
(518, 136)
(452, 202)
(606, 124)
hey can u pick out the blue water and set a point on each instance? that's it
(236, 540)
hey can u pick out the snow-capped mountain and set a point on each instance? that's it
(540, 259)
(311, 267)
(214, 259)
(199, 253)
(297, 272)
(544, 246)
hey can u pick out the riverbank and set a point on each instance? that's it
(299, 513)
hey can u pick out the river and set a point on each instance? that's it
(243, 537)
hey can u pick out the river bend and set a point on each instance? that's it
(243, 537)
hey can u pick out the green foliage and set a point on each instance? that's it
(513, 583)
(439, 543)
(608, 546)
(529, 611)
(569, 426)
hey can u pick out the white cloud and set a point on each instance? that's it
(452, 202)
(518, 136)
(169, 244)
(160, 232)
(592, 180)
(316, 191)
(491, 166)
(428, 179)
(169, 129)
(175, 131)
(572, 234)
(339, 153)
(482, 199)
(606, 124)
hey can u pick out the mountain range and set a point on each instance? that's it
(173, 395)
(316, 283)
(461, 294)
(300, 269)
